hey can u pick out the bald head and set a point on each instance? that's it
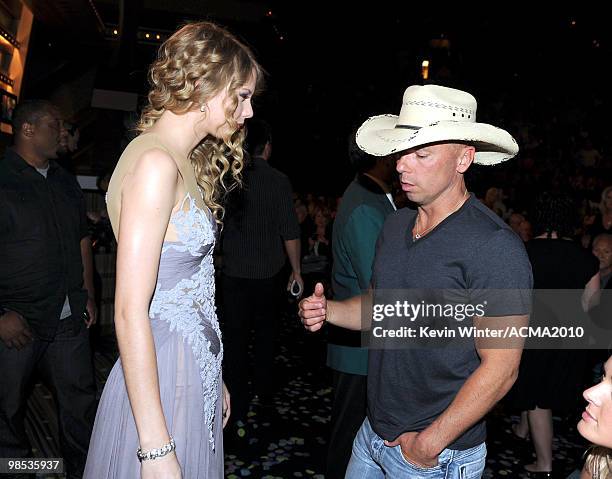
(602, 249)
(37, 128)
(30, 112)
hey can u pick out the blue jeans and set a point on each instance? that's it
(371, 459)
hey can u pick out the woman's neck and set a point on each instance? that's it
(176, 132)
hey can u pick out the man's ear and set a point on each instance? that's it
(27, 130)
(466, 158)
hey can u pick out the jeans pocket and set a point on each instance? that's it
(473, 469)
(413, 466)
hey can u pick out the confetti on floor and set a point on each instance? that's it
(287, 438)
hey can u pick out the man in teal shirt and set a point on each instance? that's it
(363, 209)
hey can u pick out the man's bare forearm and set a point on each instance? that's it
(483, 389)
(347, 314)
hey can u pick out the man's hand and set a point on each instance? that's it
(313, 310)
(92, 311)
(14, 330)
(298, 278)
(413, 450)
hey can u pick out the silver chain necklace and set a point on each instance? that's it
(418, 235)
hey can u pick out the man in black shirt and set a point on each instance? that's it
(260, 232)
(45, 310)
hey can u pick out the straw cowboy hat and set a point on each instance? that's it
(432, 113)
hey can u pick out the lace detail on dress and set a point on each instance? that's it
(194, 228)
(188, 305)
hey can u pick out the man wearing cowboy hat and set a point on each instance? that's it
(426, 406)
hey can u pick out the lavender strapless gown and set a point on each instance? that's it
(189, 354)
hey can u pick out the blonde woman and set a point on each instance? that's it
(596, 426)
(164, 405)
(601, 222)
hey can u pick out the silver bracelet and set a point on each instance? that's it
(155, 453)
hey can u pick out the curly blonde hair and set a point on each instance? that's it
(195, 64)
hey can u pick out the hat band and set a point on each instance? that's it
(408, 127)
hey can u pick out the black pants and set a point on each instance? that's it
(348, 413)
(65, 366)
(249, 316)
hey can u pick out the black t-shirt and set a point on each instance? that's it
(560, 264)
(563, 264)
(471, 250)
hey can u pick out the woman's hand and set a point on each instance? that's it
(166, 467)
(227, 409)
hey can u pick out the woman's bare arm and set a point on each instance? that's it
(148, 195)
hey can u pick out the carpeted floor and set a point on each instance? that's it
(288, 438)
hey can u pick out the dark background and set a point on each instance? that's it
(332, 64)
